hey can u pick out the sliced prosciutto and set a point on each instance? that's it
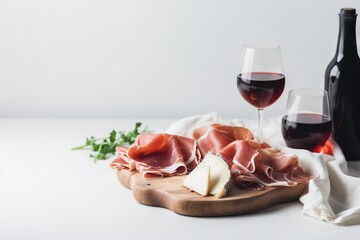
(255, 165)
(122, 161)
(252, 165)
(218, 136)
(159, 155)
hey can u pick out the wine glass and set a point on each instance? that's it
(261, 80)
(307, 124)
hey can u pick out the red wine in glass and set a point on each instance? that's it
(261, 80)
(307, 131)
(261, 89)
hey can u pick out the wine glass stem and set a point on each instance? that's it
(260, 122)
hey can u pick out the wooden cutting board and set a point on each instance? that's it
(171, 194)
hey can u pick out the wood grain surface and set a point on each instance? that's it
(171, 194)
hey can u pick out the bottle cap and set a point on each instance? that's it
(348, 11)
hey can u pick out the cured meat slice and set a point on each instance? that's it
(122, 161)
(159, 155)
(252, 165)
(218, 136)
(256, 165)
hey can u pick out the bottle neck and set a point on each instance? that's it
(347, 36)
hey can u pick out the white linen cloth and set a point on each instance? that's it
(333, 196)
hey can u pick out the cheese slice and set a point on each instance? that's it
(212, 176)
(198, 180)
(219, 174)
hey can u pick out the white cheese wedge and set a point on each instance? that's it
(219, 174)
(198, 180)
(212, 176)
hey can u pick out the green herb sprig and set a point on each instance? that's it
(104, 148)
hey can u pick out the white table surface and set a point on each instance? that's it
(50, 192)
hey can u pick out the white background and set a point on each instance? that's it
(159, 58)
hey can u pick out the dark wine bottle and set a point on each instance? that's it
(342, 81)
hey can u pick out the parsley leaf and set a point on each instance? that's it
(104, 148)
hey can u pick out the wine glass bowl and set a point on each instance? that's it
(261, 80)
(261, 89)
(307, 124)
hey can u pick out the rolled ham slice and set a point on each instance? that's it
(218, 136)
(122, 161)
(159, 155)
(257, 165)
